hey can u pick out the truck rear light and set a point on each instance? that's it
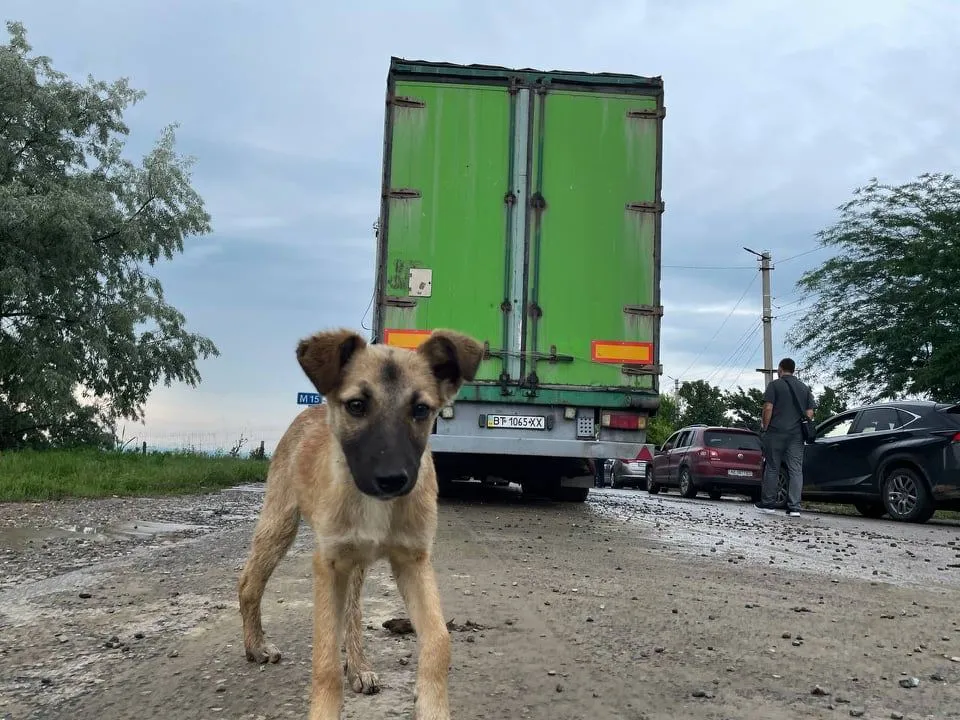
(955, 438)
(570, 413)
(622, 421)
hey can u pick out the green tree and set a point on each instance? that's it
(664, 423)
(746, 406)
(85, 331)
(829, 403)
(885, 310)
(702, 403)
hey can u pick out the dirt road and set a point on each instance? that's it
(628, 606)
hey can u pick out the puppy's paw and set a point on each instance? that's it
(365, 681)
(264, 652)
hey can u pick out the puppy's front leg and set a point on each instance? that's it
(329, 592)
(418, 587)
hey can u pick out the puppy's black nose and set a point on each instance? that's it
(392, 484)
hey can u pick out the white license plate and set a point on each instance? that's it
(637, 467)
(517, 422)
(740, 473)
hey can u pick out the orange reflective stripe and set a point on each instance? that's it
(618, 351)
(408, 339)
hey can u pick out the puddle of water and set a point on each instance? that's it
(18, 537)
(258, 488)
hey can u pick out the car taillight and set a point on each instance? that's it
(622, 421)
(955, 438)
(709, 453)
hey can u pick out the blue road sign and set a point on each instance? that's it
(309, 398)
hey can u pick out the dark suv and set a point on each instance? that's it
(707, 458)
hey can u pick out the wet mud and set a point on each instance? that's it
(628, 606)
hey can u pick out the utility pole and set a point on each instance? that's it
(676, 384)
(766, 266)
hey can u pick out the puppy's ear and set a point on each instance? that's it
(453, 358)
(324, 356)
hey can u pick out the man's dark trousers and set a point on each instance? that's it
(779, 448)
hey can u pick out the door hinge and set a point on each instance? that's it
(407, 102)
(654, 310)
(538, 201)
(657, 114)
(403, 193)
(646, 207)
(402, 302)
(641, 369)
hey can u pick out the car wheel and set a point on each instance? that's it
(687, 488)
(615, 478)
(905, 496)
(652, 487)
(782, 483)
(715, 494)
(870, 509)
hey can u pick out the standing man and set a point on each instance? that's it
(783, 437)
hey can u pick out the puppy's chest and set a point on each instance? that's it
(367, 535)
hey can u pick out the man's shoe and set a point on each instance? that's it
(793, 513)
(764, 509)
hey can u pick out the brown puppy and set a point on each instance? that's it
(359, 470)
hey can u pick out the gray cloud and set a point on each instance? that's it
(776, 111)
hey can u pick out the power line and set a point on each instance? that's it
(799, 255)
(729, 315)
(731, 358)
(746, 368)
(709, 267)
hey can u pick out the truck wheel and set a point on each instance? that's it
(687, 488)
(905, 496)
(652, 487)
(573, 494)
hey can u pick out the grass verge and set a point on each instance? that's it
(835, 509)
(54, 474)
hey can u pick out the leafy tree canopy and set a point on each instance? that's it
(702, 403)
(85, 332)
(884, 318)
(745, 407)
(664, 423)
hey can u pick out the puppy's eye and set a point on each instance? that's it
(421, 411)
(357, 408)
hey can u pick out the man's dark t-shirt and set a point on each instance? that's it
(785, 418)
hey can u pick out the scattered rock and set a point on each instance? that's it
(909, 682)
(399, 626)
(85, 596)
(817, 690)
(857, 712)
(706, 694)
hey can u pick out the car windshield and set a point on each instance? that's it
(731, 440)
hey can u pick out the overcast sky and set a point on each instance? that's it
(776, 111)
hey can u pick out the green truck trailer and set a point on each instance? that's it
(524, 208)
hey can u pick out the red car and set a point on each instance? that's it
(702, 458)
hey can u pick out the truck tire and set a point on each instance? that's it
(572, 494)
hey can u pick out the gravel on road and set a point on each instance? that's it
(627, 606)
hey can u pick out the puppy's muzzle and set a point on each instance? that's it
(393, 485)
